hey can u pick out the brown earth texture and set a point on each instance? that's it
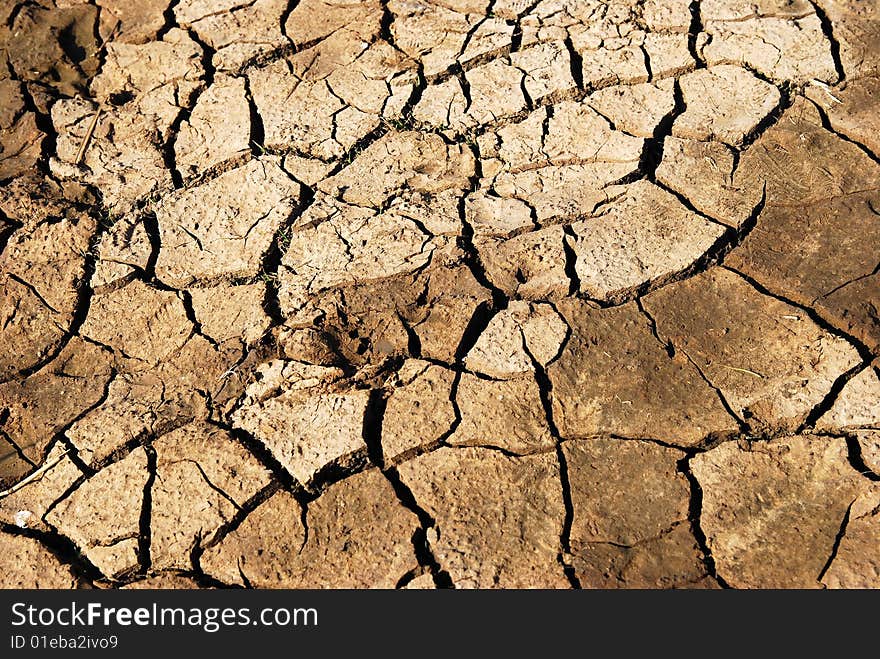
(440, 293)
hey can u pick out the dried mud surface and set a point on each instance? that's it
(447, 293)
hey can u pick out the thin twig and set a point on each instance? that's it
(110, 36)
(87, 138)
(34, 476)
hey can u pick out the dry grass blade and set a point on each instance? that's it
(34, 476)
(744, 370)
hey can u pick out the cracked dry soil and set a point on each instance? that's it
(450, 293)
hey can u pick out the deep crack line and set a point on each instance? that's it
(695, 511)
(271, 261)
(828, 31)
(565, 537)
(474, 262)
(830, 398)
(170, 20)
(285, 15)
(694, 30)
(857, 461)
(372, 435)
(826, 124)
(864, 352)
(837, 540)
(652, 151)
(145, 532)
(257, 130)
(63, 548)
(169, 148)
(545, 392)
